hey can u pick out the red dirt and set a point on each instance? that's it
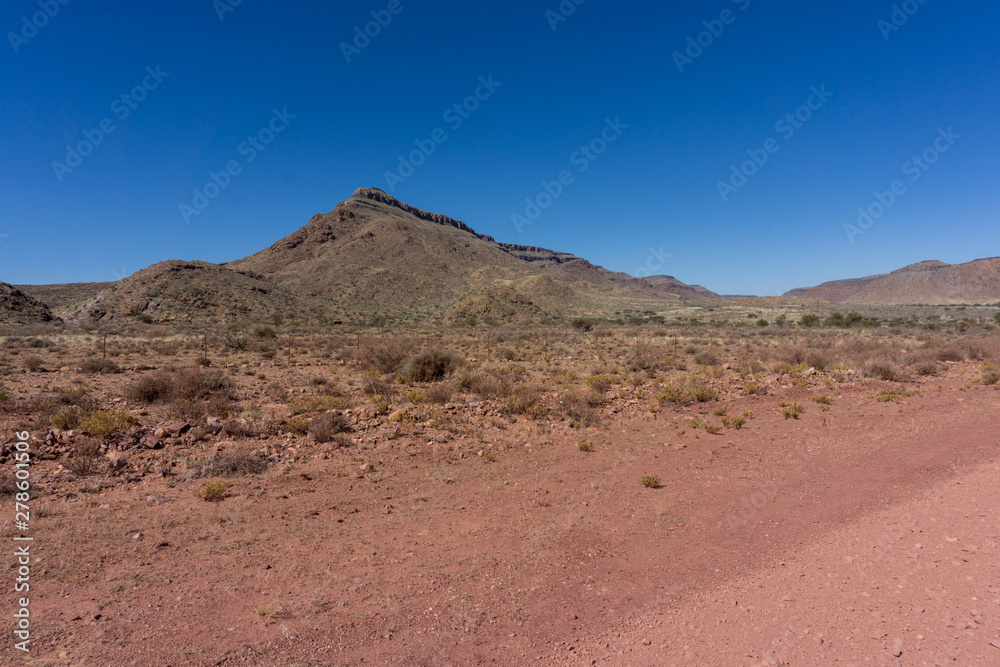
(555, 556)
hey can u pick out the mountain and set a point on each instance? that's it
(374, 255)
(930, 282)
(16, 307)
(374, 258)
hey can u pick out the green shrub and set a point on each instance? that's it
(809, 321)
(650, 481)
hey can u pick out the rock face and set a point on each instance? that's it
(16, 307)
(930, 282)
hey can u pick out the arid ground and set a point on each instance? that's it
(580, 495)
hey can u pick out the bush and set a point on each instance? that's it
(235, 462)
(583, 324)
(793, 411)
(816, 360)
(809, 321)
(102, 366)
(236, 341)
(882, 370)
(650, 481)
(32, 363)
(67, 419)
(762, 323)
(184, 384)
(431, 366)
(386, 356)
(212, 492)
(328, 425)
(85, 459)
(687, 393)
(107, 423)
(524, 399)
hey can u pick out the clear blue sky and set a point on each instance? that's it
(655, 185)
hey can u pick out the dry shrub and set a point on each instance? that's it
(927, 368)
(212, 492)
(328, 425)
(186, 383)
(486, 386)
(816, 360)
(882, 369)
(101, 366)
(990, 378)
(386, 355)
(707, 358)
(687, 392)
(431, 366)
(525, 399)
(85, 459)
(377, 387)
(577, 407)
(950, 353)
(648, 358)
(237, 461)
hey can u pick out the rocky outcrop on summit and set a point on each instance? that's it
(378, 195)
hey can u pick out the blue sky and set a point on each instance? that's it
(888, 95)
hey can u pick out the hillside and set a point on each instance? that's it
(176, 291)
(929, 282)
(16, 307)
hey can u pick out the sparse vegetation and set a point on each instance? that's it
(650, 481)
(212, 492)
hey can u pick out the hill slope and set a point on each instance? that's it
(176, 291)
(929, 282)
(16, 307)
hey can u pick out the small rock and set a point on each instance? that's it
(647, 642)
(896, 651)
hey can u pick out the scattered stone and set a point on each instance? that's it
(647, 642)
(896, 651)
(177, 428)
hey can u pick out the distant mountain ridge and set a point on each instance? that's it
(929, 282)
